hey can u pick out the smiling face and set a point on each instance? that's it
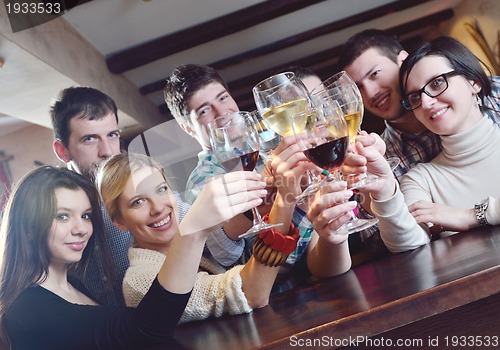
(205, 105)
(377, 78)
(146, 210)
(71, 228)
(454, 110)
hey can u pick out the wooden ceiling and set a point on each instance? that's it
(414, 19)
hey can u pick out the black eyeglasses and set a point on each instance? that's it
(433, 88)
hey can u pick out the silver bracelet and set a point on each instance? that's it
(480, 210)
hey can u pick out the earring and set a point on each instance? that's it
(478, 100)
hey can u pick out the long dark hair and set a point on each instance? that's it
(461, 59)
(27, 220)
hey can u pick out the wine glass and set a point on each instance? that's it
(325, 143)
(235, 142)
(279, 99)
(343, 87)
(269, 139)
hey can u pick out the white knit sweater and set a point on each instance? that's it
(464, 173)
(212, 295)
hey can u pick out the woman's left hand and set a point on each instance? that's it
(451, 219)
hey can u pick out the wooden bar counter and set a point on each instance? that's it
(429, 298)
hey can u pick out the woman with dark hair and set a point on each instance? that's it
(306, 75)
(445, 85)
(51, 222)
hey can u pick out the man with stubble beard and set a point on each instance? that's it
(373, 58)
(86, 133)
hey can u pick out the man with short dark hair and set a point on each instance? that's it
(86, 132)
(373, 58)
(196, 94)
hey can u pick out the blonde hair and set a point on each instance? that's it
(114, 174)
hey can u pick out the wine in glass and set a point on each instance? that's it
(235, 142)
(342, 87)
(283, 99)
(325, 144)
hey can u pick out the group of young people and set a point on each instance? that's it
(109, 231)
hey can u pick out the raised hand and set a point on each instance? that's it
(372, 139)
(288, 168)
(222, 198)
(376, 164)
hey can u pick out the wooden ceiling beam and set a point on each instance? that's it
(332, 53)
(202, 33)
(241, 88)
(297, 39)
(329, 28)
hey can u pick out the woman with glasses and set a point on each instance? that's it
(445, 85)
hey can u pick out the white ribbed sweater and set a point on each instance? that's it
(212, 295)
(464, 173)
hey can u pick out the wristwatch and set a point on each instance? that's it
(480, 209)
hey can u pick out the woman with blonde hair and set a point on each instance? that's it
(135, 192)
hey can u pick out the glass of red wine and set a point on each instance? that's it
(235, 142)
(342, 88)
(325, 143)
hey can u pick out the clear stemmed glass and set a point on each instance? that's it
(325, 143)
(341, 88)
(269, 139)
(279, 99)
(235, 142)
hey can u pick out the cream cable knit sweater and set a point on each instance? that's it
(464, 173)
(213, 295)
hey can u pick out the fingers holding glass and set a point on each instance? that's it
(235, 142)
(326, 144)
(286, 106)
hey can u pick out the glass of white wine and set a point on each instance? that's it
(279, 98)
(283, 100)
(341, 88)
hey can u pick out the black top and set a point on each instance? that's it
(40, 319)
